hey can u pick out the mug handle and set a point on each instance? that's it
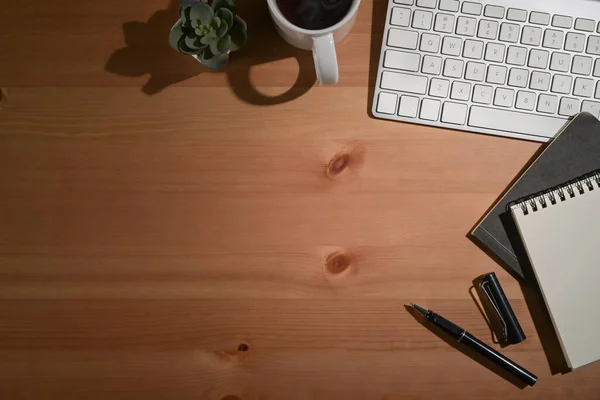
(326, 63)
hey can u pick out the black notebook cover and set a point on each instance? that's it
(574, 151)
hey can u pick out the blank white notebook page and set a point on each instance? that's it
(563, 244)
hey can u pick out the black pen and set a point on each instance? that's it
(472, 342)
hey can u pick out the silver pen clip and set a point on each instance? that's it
(483, 285)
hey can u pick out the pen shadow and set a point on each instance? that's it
(466, 350)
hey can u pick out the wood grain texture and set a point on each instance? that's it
(166, 232)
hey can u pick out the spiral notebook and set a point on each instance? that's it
(560, 230)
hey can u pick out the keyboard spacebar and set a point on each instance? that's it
(511, 121)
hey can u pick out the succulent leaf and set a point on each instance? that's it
(174, 36)
(223, 29)
(202, 12)
(226, 15)
(184, 14)
(219, 4)
(221, 46)
(214, 61)
(216, 22)
(183, 48)
(190, 43)
(239, 34)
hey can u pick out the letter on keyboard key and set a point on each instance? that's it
(439, 88)
(432, 65)
(561, 84)
(386, 103)
(473, 49)
(560, 62)
(408, 106)
(494, 52)
(504, 97)
(518, 77)
(525, 100)
(460, 91)
(475, 71)
(449, 5)
(454, 113)
(430, 109)
(401, 60)
(403, 82)
(514, 121)
(539, 81)
(581, 65)
(547, 104)
(430, 43)
(583, 87)
(568, 106)
(482, 94)
(403, 39)
(451, 46)
(592, 107)
(516, 55)
(496, 74)
(453, 68)
(538, 59)
(400, 16)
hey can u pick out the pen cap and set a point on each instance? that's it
(508, 330)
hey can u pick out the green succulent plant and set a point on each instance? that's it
(208, 32)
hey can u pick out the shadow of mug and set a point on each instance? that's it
(147, 52)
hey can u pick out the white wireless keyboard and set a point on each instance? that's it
(517, 68)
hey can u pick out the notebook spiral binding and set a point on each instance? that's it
(562, 192)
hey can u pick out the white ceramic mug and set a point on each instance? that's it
(321, 42)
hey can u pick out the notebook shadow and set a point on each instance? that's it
(377, 29)
(466, 350)
(147, 52)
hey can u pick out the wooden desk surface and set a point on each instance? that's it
(166, 232)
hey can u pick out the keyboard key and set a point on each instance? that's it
(516, 14)
(496, 74)
(449, 5)
(538, 58)
(525, 100)
(516, 55)
(432, 65)
(466, 26)
(453, 68)
(494, 11)
(568, 106)
(471, 8)
(460, 91)
(451, 46)
(553, 39)
(422, 20)
(475, 71)
(561, 21)
(514, 121)
(560, 62)
(403, 38)
(561, 84)
(403, 82)
(386, 103)
(509, 32)
(518, 77)
(592, 107)
(539, 18)
(400, 16)
(597, 95)
(583, 87)
(596, 72)
(539, 81)
(593, 45)
(494, 52)
(547, 104)
(444, 23)
(504, 97)
(575, 42)
(430, 43)
(487, 29)
(531, 35)
(473, 49)
(430, 109)
(581, 65)
(482, 94)
(405, 2)
(583, 24)
(439, 88)
(409, 106)
(401, 60)
(427, 3)
(454, 113)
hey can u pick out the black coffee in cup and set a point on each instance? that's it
(314, 14)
